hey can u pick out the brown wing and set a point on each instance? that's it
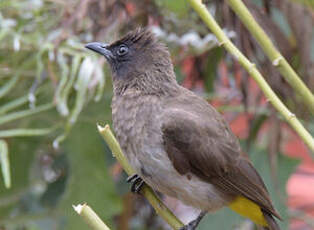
(207, 148)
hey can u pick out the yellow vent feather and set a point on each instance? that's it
(248, 209)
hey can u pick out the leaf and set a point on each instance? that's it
(5, 163)
(89, 180)
(9, 85)
(255, 128)
(61, 106)
(99, 75)
(67, 88)
(20, 162)
(214, 56)
(25, 132)
(24, 113)
(176, 6)
(11, 105)
(81, 87)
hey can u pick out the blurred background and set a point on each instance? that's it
(53, 92)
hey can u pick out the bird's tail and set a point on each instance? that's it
(272, 224)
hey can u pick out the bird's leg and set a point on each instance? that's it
(194, 223)
(137, 183)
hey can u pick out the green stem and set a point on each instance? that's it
(146, 191)
(273, 54)
(90, 217)
(24, 113)
(200, 8)
(25, 132)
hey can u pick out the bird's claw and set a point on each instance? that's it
(193, 224)
(137, 183)
(190, 226)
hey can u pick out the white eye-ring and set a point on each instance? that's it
(123, 49)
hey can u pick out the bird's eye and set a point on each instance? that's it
(123, 49)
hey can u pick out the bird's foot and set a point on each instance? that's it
(137, 183)
(194, 223)
(190, 226)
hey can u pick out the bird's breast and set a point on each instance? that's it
(137, 124)
(136, 121)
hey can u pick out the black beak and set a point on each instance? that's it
(100, 48)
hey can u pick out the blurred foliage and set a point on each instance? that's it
(53, 92)
(309, 3)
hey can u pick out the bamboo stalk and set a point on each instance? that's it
(273, 54)
(146, 191)
(200, 8)
(90, 217)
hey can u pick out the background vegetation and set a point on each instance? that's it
(53, 92)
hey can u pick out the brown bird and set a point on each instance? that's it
(177, 142)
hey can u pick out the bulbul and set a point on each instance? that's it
(177, 142)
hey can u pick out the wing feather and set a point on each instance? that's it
(208, 149)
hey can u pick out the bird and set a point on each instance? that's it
(175, 140)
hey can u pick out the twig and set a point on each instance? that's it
(90, 217)
(146, 191)
(273, 54)
(200, 8)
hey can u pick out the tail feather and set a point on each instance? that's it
(272, 224)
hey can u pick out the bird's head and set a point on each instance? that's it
(137, 55)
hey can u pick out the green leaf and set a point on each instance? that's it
(11, 105)
(89, 180)
(20, 163)
(81, 85)
(5, 163)
(67, 88)
(61, 105)
(255, 127)
(25, 132)
(178, 7)
(22, 114)
(9, 85)
(214, 56)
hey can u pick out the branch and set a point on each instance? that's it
(90, 217)
(146, 191)
(273, 54)
(200, 8)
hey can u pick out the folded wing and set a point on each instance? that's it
(205, 146)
